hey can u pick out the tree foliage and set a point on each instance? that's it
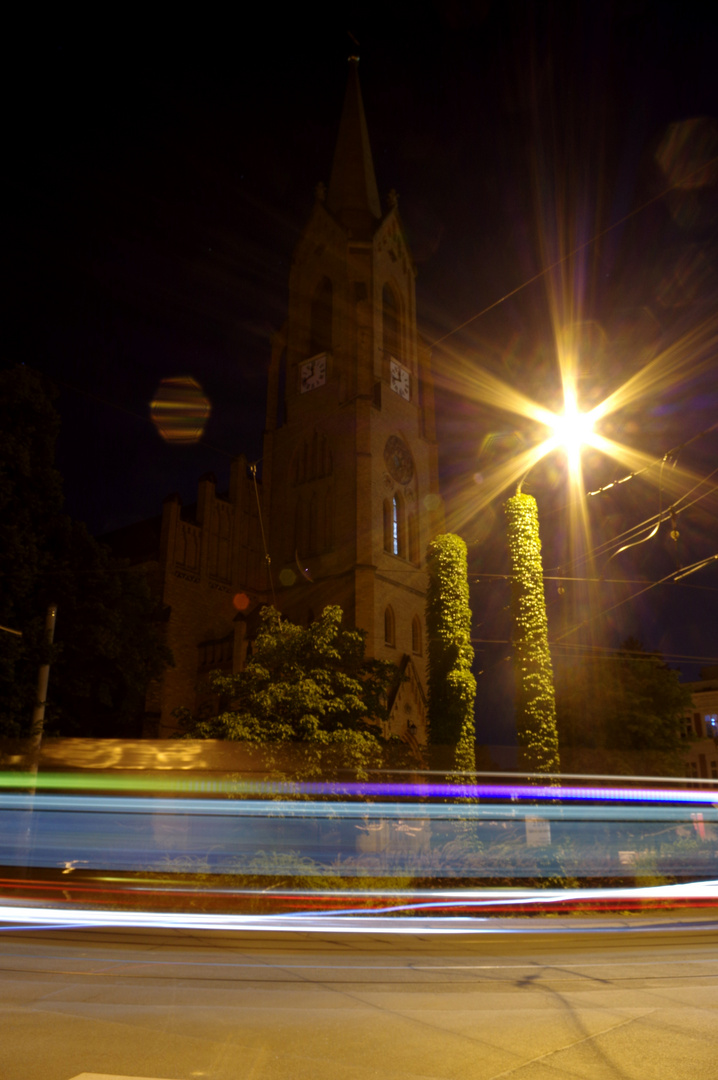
(452, 687)
(535, 701)
(628, 701)
(306, 691)
(108, 643)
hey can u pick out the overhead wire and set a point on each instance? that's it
(659, 461)
(683, 572)
(477, 577)
(647, 523)
(609, 651)
(587, 243)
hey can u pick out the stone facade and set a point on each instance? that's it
(348, 497)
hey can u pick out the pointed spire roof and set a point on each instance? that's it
(353, 197)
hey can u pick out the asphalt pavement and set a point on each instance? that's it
(527, 999)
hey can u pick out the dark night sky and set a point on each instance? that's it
(159, 176)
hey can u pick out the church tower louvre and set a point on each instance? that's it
(350, 474)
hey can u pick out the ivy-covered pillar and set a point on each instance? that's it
(452, 687)
(535, 702)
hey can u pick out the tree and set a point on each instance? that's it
(452, 687)
(535, 701)
(30, 508)
(306, 690)
(627, 701)
(108, 641)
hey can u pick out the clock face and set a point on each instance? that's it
(400, 380)
(313, 373)
(398, 459)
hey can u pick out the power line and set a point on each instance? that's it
(575, 251)
(477, 578)
(659, 461)
(648, 523)
(680, 572)
(613, 653)
(133, 413)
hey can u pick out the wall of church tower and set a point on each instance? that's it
(209, 555)
(349, 410)
(350, 464)
(349, 476)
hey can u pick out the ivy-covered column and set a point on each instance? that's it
(452, 687)
(535, 702)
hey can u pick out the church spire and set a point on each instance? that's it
(353, 197)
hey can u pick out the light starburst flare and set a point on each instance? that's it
(690, 356)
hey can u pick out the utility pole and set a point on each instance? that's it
(43, 677)
(36, 731)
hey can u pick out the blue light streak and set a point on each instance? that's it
(100, 804)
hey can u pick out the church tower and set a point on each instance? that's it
(349, 476)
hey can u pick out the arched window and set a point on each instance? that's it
(313, 546)
(328, 521)
(313, 457)
(388, 546)
(320, 325)
(389, 632)
(416, 636)
(300, 536)
(390, 321)
(282, 390)
(398, 526)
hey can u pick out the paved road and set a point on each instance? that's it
(639, 1003)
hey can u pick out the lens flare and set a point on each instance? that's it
(180, 410)
(572, 430)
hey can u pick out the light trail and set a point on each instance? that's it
(360, 790)
(14, 917)
(233, 849)
(361, 811)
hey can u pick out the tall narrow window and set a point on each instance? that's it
(389, 634)
(313, 464)
(398, 527)
(300, 537)
(390, 321)
(320, 326)
(328, 522)
(388, 511)
(282, 390)
(313, 538)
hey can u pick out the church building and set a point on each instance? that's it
(348, 495)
